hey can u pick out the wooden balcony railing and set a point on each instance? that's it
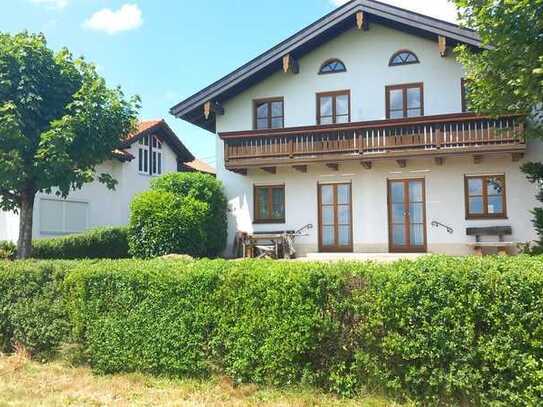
(434, 135)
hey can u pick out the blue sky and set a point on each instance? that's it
(165, 50)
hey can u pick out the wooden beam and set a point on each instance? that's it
(477, 159)
(517, 156)
(402, 163)
(366, 164)
(439, 160)
(359, 20)
(270, 170)
(207, 110)
(301, 168)
(442, 45)
(333, 166)
(212, 107)
(240, 171)
(290, 64)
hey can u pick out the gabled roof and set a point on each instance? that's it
(309, 38)
(160, 127)
(199, 166)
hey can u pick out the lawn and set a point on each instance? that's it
(24, 382)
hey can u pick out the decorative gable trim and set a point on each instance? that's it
(309, 38)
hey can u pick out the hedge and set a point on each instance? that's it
(100, 243)
(439, 330)
(32, 307)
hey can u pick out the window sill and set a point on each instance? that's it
(482, 217)
(268, 221)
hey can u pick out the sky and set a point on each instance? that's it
(166, 50)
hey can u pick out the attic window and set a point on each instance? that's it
(332, 66)
(403, 57)
(150, 155)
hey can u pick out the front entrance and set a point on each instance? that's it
(407, 215)
(335, 218)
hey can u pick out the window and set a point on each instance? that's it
(269, 203)
(332, 66)
(485, 197)
(464, 88)
(334, 107)
(403, 57)
(404, 101)
(268, 113)
(150, 155)
(59, 217)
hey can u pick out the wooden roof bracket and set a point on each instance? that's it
(444, 50)
(290, 64)
(212, 107)
(361, 21)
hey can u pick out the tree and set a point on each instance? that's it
(508, 75)
(58, 121)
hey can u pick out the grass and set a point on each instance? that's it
(24, 382)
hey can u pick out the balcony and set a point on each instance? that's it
(431, 136)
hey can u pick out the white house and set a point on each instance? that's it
(358, 125)
(152, 150)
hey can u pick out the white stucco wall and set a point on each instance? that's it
(366, 56)
(105, 207)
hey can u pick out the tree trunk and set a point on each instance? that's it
(24, 244)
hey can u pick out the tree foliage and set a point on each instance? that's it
(508, 74)
(58, 121)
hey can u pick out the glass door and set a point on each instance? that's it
(407, 215)
(335, 213)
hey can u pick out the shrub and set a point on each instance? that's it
(8, 250)
(101, 243)
(204, 188)
(442, 331)
(32, 310)
(164, 223)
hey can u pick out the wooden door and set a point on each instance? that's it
(407, 215)
(335, 218)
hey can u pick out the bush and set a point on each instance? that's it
(204, 188)
(101, 243)
(8, 250)
(32, 308)
(164, 223)
(439, 330)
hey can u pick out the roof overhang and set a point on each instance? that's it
(167, 135)
(309, 38)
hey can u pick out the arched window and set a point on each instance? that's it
(403, 57)
(332, 66)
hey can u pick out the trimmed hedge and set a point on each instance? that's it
(32, 308)
(100, 243)
(439, 330)
(165, 223)
(204, 188)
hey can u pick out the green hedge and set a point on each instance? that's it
(440, 331)
(100, 243)
(32, 307)
(7, 250)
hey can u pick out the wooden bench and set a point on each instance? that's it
(499, 231)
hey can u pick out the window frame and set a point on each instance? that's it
(333, 95)
(485, 214)
(268, 101)
(256, 214)
(403, 51)
(404, 87)
(328, 62)
(154, 155)
(463, 95)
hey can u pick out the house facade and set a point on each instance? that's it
(358, 125)
(152, 150)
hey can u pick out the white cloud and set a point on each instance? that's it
(127, 18)
(52, 3)
(442, 9)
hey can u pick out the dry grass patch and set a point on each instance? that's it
(24, 382)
